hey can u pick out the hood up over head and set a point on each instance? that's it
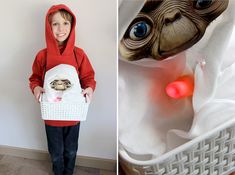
(52, 46)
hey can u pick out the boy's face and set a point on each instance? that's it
(60, 27)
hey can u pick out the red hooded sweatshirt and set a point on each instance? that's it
(52, 56)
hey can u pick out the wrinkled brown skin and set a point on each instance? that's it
(60, 84)
(175, 25)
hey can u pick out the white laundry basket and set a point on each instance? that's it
(68, 103)
(66, 111)
(213, 153)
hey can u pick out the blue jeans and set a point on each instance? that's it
(62, 146)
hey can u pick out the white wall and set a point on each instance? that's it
(21, 37)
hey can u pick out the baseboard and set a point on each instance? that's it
(93, 162)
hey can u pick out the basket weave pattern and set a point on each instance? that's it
(64, 111)
(214, 155)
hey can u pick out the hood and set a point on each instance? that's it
(52, 46)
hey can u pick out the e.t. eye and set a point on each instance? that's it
(201, 4)
(139, 30)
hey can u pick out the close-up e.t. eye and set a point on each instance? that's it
(139, 30)
(201, 4)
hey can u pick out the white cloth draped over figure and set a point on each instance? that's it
(63, 72)
(150, 122)
(63, 98)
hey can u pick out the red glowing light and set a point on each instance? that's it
(182, 87)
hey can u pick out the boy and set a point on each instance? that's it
(62, 136)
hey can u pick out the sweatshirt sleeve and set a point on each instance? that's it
(86, 73)
(36, 78)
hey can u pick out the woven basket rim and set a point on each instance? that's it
(125, 155)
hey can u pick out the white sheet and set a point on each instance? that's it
(62, 71)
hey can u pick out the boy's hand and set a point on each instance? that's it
(88, 92)
(37, 92)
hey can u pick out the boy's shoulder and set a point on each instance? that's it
(41, 53)
(79, 50)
